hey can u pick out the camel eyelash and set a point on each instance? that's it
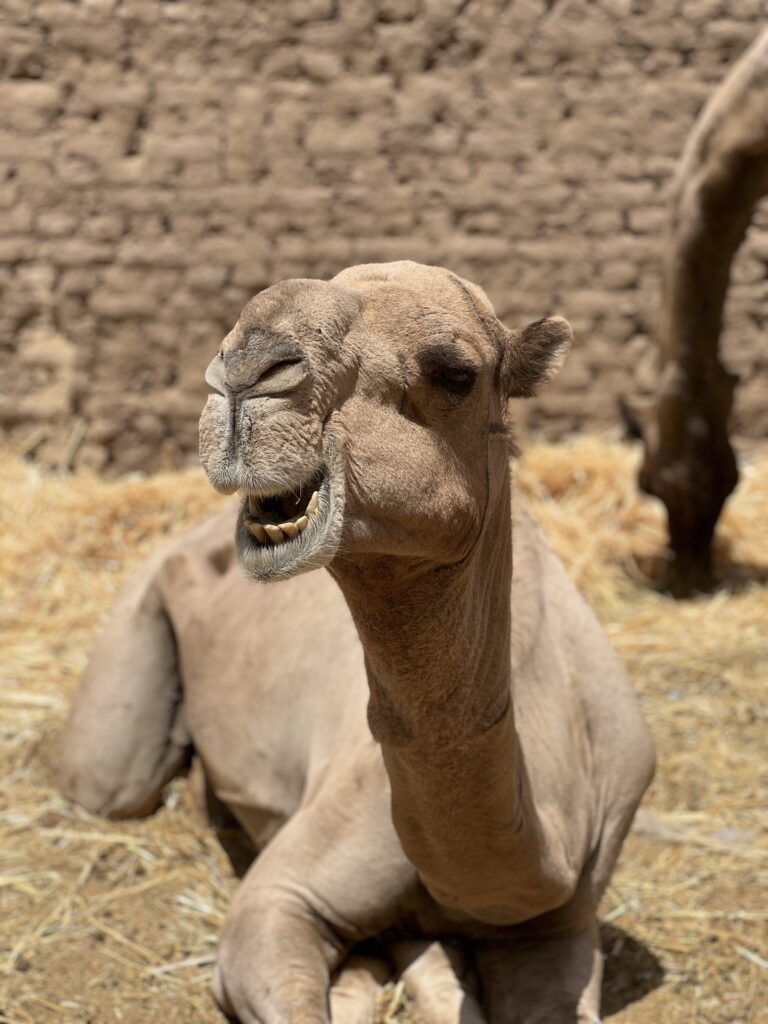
(458, 380)
(446, 368)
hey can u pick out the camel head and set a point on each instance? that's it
(363, 415)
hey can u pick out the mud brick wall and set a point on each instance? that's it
(161, 161)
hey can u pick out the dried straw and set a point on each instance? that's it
(118, 921)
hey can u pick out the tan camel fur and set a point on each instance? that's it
(689, 463)
(504, 754)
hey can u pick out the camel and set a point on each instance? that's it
(689, 462)
(472, 798)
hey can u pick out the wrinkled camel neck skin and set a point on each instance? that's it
(437, 642)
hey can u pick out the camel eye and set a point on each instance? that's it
(456, 380)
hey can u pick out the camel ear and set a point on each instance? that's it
(535, 355)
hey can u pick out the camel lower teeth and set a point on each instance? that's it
(276, 534)
(258, 531)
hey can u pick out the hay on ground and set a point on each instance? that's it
(108, 921)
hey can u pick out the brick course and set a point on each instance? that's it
(161, 161)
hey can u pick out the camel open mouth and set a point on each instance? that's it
(292, 531)
(277, 518)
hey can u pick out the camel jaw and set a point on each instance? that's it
(291, 532)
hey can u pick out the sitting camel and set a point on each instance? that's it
(363, 422)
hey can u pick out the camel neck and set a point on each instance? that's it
(436, 642)
(437, 655)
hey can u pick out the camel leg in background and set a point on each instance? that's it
(689, 463)
(126, 735)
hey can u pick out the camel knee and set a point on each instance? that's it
(275, 956)
(252, 983)
(119, 770)
(126, 735)
(86, 791)
(92, 785)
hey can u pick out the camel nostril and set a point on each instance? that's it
(278, 368)
(266, 364)
(268, 376)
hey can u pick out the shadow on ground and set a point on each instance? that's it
(631, 970)
(655, 572)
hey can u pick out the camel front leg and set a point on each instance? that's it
(353, 997)
(332, 877)
(274, 962)
(286, 978)
(126, 735)
(540, 980)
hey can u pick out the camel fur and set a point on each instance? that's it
(472, 798)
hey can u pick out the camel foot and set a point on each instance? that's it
(432, 977)
(436, 980)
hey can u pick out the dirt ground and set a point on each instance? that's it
(107, 922)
